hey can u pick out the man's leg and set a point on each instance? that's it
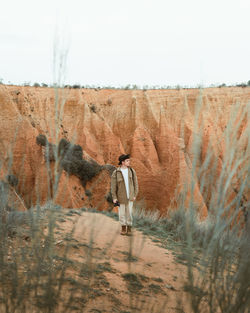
(122, 218)
(129, 216)
(129, 213)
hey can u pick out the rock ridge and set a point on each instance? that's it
(157, 127)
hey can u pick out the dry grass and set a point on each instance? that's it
(37, 276)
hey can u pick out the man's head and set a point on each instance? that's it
(124, 160)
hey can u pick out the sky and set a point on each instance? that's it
(116, 43)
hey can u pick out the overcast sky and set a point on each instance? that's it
(113, 42)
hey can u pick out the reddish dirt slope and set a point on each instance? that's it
(161, 277)
(157, 127)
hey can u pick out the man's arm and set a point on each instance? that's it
(114, 186)
(135, 183)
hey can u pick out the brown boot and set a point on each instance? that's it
(129, 230)
(124, 230)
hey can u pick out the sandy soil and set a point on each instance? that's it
(159, 277)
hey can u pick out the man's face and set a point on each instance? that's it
(126, 162)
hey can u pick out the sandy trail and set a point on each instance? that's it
(160, 278)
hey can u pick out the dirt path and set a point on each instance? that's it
(137, 275)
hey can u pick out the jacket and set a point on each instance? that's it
(118, 188)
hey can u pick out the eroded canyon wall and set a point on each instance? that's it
(157, 127)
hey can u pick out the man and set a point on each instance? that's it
(124, 189)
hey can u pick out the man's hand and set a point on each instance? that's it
(134, 198)
(115, 200)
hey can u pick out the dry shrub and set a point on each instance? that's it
(70, 159)
(73, 163)
(220, 281)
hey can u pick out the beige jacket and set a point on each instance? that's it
(118, 188)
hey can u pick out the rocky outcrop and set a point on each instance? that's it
(163, 130)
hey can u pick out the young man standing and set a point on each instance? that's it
(124, 189)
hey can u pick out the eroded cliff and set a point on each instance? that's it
(157, 127)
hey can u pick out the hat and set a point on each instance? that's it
(123, 157)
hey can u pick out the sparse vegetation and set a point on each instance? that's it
(92, 108)
(88, 193)
(76, 86)
(50, 149)
(135, 86)
(38, 272)
(133, 281)
(41, 140)
(70, 158)
(216, 251)
(243, 85)
(109, 101)
(155, 288)
(73, 163)
(12, 180)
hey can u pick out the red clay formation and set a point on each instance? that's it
(157, 127)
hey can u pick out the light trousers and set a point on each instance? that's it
(126, 213)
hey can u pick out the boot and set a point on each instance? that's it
(124, 230)
(129, 230)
